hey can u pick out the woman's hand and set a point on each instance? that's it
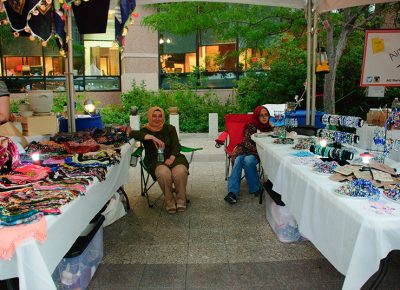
(170, 160)
(128, 131)
(156, 141)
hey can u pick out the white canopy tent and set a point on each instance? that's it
(312, 9)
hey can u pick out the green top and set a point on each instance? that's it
(172, 147)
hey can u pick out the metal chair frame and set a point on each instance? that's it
(145, 182)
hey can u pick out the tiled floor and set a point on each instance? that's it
(213, 245)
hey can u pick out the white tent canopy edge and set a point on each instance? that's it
(318, 5)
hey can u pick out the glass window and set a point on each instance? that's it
(101, 54)
(177, 53)
(216, 55)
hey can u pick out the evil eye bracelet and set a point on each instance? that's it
(393, 192)
(326, 167)
(359, 188)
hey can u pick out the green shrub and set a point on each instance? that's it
(193, 109)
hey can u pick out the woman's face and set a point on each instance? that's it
(156, 118)
(264, 116)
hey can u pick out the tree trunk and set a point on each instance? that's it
(334, 55)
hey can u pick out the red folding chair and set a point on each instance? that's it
(233, 135)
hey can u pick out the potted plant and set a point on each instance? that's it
(23, 105)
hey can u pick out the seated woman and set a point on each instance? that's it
(245, 156)
(4, 103)
(174, 169)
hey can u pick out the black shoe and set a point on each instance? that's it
(258, 192)
(231, 198)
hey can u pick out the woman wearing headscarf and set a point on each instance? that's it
(245, 156)
(174, 169)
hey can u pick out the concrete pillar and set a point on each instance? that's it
(134, 122)
(213, 126)
(174, 120)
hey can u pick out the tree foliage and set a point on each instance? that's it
(252, 24)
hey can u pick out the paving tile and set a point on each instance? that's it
(167, 254)
(247, 252)
(208, 276)
(206, 235)
(163, 276)
(117, 277)
(201, 253)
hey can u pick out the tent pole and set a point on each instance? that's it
(314, 76)
(309, 48)
(69, 77)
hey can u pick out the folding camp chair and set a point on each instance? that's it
(232, 136)
(145, 182)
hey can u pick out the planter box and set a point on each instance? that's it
(39, 125)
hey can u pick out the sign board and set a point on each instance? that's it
(381, 63)
(378, 92)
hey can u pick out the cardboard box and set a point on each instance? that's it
(39, 125)
(378, 116)
(8, 129)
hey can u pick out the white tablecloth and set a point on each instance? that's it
(34, 262)
(346, 231)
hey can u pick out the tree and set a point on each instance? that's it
(338, 27)
(252, 24)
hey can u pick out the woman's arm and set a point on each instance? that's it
(175, 146)
(4, 109)
(249, 144)
(142, 136)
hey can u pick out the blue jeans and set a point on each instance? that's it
(249, 164)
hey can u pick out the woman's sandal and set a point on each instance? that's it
(171, 210)
(180, 208)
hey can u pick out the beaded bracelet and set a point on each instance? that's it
(359, 188)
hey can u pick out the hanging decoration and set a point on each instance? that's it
(123, 18)
(322, 61)
(42, 19)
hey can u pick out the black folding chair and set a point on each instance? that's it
(145, 182)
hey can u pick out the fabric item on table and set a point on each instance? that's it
(81, 172)
(89, 145)
(28, 174)
(11, 237)
(9, 155)
(45, 147)
(76, 186)
(54, 160)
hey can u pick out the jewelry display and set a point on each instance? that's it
(284, 141)
(344, 121)
(393, 192)
(305, 143)
(338, 136)
(332, 152)
(359, 188)
(326, 167)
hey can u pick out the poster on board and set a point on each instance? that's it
(381, 63)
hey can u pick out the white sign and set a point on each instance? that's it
(376, 91)
(381, 63)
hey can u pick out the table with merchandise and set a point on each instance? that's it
(33, 258)
(353, 232)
